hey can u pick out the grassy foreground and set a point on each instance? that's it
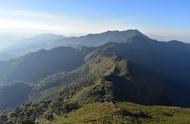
(125, 113)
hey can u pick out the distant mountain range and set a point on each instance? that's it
(43, 41)
(49, 41)
(33, 66)
(118, 67)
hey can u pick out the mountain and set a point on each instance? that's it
(31, 68)
(102, 38)
(161, 57)
(90, 92)
(25, 46)
(95, 85)
(49, 41)
(131, 74)
(36, 65)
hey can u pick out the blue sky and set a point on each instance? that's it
(163, 19)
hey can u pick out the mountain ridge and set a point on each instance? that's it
(137, 69)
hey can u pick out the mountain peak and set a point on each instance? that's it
(129, 31)
(130, 35)
(175, 42)
(134, 31)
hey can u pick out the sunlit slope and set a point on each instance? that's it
(125, 113)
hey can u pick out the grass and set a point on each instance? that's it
(125, 113)
(160, 114)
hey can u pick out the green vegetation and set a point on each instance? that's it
(125, 113)
(93, 94)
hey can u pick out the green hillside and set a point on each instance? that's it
(125, 113)
(92, 97)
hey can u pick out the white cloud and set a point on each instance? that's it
(26, 21)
